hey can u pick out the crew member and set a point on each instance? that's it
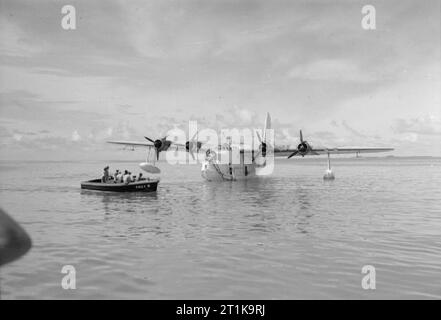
(119, 177)
(115, 176)
(106, 174)
(127, 178)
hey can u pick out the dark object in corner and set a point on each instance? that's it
(14, 241)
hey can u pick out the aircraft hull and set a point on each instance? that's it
(213, 171)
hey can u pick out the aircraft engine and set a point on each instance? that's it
(303, 147)
(263, 149)
(191, 146)
(158, 144)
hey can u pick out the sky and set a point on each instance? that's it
(136, 68)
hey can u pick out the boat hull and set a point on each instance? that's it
(138, 186)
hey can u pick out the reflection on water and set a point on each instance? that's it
(115, 202)
(288, 235)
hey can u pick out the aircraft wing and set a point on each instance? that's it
(133, 143)
(179, 144)
(348, 150)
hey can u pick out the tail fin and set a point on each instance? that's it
(267, 125)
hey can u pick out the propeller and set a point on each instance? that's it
(190, 144)
(158, 144)
(262, 145)
(293, 154)
(303, 147)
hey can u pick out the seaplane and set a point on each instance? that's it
(233, 160)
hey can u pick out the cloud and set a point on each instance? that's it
(127, 109)
(352, 130)
(231, 117)
(408, 137)
(13, 40)
(28, 106)
(75, 136)
(425, 125)
(139, 63)
(34, 142)
(334, 123)
(331, 70)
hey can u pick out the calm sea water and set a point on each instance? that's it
(290, 235)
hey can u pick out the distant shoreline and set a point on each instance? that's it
(278, 157)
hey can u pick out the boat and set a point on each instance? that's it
(145, 185)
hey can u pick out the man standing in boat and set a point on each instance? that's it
(106, 175)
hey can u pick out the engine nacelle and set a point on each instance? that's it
(158, 144)
(263, 149)
(191, 146)
(303, 148)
